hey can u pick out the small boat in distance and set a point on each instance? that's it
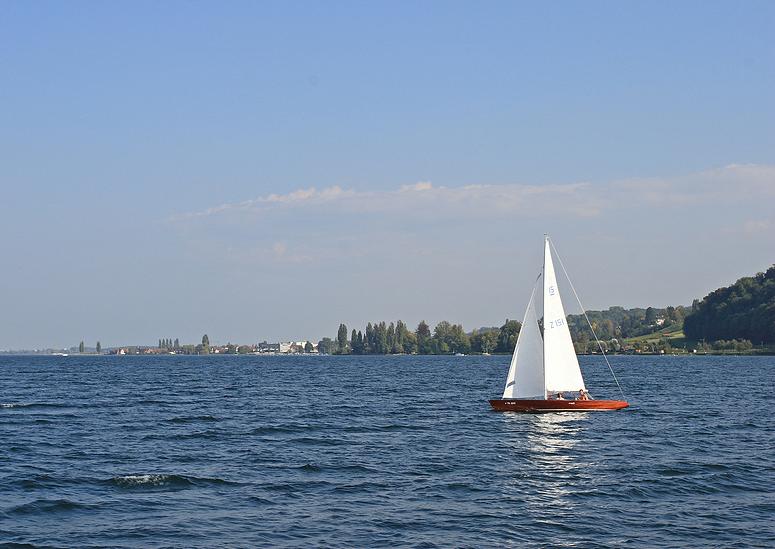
(544, 367)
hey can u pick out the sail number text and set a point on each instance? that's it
(556, 323)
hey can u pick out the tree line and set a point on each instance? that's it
(381, 338)
(168, 344)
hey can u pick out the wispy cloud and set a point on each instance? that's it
(734, 182)
(752, 228)
(300, 196)
(583, 199)
(419, 186)
(758, 226)
(423, 195)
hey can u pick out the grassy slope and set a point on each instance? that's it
(679, 342)
(674, 334)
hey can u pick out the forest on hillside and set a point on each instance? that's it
(744, 310)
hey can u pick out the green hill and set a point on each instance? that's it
(743, 311)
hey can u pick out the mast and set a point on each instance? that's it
(543, 308)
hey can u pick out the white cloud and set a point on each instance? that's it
(300, 196)
(419, 186)
(755, 227)
(481, 199)
(303, 195)
(732, 182)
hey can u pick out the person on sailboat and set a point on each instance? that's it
(560, 397)
(583, 395)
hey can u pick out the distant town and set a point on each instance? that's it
(284, 347)
(173, 347)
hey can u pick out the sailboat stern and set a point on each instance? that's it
(541, 406)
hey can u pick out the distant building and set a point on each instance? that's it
(285, 347)
(268, 347)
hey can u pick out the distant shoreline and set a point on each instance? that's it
(754, 352)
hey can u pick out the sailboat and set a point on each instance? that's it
(544, 370)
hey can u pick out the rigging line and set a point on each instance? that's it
(584, 311)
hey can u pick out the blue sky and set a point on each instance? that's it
(266, 170)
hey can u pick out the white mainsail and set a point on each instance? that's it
(526, 373)
(561, 367)
(547, 364)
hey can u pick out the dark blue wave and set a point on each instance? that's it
(193, 419)
(45, 506)
(154, 481)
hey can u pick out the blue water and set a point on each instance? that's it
(380, 451)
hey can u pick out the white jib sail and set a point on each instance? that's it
(526, 374)
(561, 367)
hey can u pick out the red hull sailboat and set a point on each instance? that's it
(537, 406)
(544, 367)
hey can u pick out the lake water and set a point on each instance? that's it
(380, 451)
